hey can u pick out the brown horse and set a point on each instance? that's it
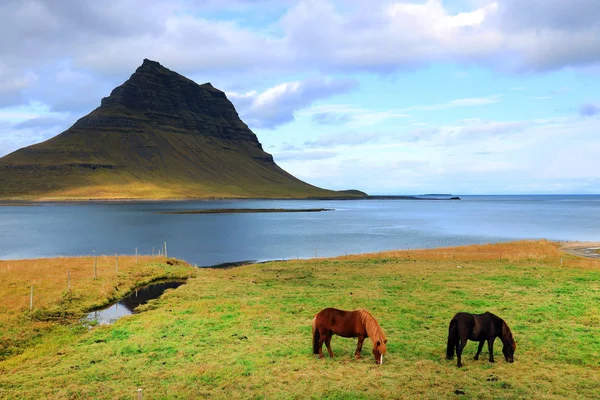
(359, 323)
(479, 327)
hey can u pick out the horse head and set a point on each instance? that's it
(379, 349)
(509, 344)
(509, 350)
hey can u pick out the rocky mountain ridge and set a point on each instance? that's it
(159, 135)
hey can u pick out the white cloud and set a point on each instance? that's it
(352, 115)
(12, 84)
(278, 104)
(104, 42)
(379, 36)
(350, 138)
(469, 102)
(552, 155)
(304, 155)
(27, 124)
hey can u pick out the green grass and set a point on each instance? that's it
(182, 166)
(245, 333)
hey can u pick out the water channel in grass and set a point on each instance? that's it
(127, 305)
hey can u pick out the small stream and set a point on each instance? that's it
(127, 305)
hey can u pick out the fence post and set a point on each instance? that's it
(561, 262)
(31, 299)
(166, 256)
(152, 251)
(140, 396)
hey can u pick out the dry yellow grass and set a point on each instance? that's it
(517, 250)
(52, 298)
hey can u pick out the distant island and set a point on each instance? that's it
(395, 197)
(416, 197)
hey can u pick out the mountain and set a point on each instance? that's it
(157, 136)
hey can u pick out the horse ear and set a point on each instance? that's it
(378, 343)
(385, 341)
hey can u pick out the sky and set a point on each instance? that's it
(389, 97)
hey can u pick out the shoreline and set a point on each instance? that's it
(581, 249)
(17, 201)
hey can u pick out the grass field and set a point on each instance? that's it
(245, 332)
(55, 304)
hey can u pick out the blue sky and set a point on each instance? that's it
(390, 97)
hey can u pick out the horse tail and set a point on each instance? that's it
(316, 336)
(452, 338)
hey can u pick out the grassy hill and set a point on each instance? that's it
(157, 136)
(245, 332)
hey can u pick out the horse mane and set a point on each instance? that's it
(372, 326)
(507, 336)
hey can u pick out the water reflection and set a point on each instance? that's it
(127, 305)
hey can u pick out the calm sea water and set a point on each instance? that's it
(357, 226)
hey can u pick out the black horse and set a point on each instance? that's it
(479, 327)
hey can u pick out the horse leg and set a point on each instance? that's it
(359, 345)
(328, 344)
(460, 345)
(479, 349)
(491, 348)
(321, 341)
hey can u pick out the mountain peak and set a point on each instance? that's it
(154, 89)
(158, 135)
(150, 62)
(149, 66)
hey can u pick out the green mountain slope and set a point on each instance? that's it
(157, 136)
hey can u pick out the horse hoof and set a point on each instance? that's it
(459, 365)
(476, 358)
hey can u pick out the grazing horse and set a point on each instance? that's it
(479, 327)
(359, 323)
